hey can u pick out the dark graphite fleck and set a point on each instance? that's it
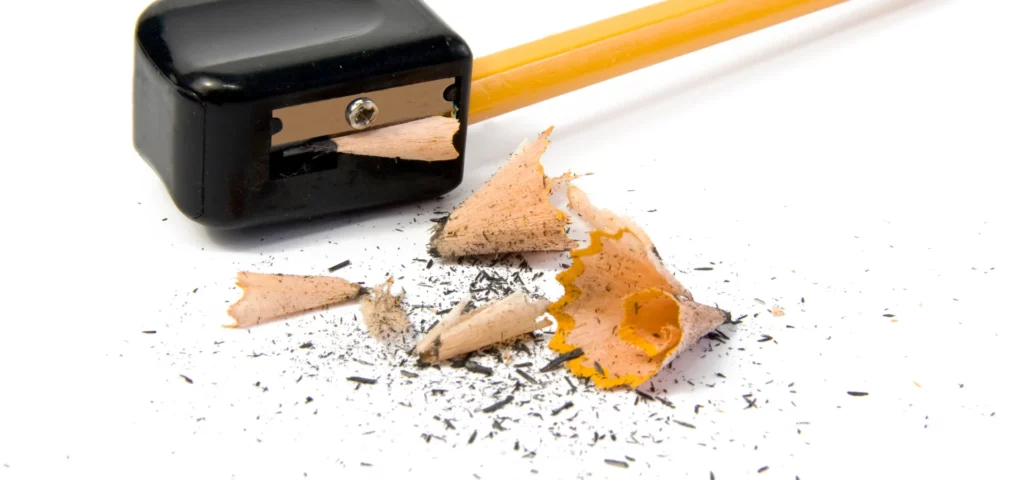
(560, 409)
(477, 368)
(616, 463)
(189, 380)
(339, 266)
(857, 394)
(366, 381)
(526, 376)
(559, 360)
(499, 405)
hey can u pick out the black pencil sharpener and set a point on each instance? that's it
(227, 92)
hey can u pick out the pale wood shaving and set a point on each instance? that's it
(496, 322)
(428, 139)
(608, 221)
(269, 297)
(509, 213)
(383, 314)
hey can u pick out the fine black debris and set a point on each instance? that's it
(560, 409)
(616, 463)
(340, 266)
(559, 360)
(499, 405)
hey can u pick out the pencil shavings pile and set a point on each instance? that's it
(621, 307)
(621, 318)
(510, 213)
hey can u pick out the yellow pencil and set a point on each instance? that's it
(571, 60)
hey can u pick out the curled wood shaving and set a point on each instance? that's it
(383, 314)
(510, 213)
(458, 334)
(621, 307)
(268, 297)
(607, 221)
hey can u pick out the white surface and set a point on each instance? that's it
(866, 158)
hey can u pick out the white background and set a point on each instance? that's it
(865, 158)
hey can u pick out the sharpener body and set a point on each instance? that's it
(224, 90)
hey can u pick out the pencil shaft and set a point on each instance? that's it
(571, 60)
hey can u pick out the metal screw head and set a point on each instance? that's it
(361, 113)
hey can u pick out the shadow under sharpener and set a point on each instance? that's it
(228, 93)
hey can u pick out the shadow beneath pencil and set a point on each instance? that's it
(490, 141)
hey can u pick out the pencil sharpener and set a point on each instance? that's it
(228, 95)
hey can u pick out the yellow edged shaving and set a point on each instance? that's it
(621, 307)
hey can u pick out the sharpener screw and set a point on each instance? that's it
(361, 113)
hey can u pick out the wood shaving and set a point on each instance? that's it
(777, 311)
(510, 213)
(428, 139)
(268, 297)
(607, 221)
(458, 334)
(383, 314)
(621, 307)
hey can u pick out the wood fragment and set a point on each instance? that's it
(509, 213)
(458, 334)
(603, 220)
(622, 306)
(269, 297)
(383, 314)
(428, 139)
